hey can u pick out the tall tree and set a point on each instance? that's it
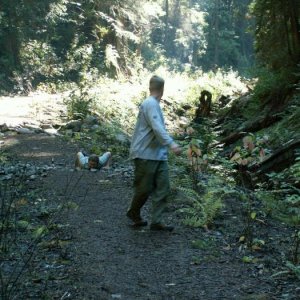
(277, 32)
(228, 41)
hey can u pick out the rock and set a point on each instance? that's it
(74, 125)
(32, 177)
(183, 121)
(52, 131)
(23, 130)
(46, 126)
(91, 120)
(34, 126)
(3, 127)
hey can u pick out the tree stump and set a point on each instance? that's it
(204, 106)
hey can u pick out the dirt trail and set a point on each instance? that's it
(111, 260)
(38, 107)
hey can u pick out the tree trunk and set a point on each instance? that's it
(216, 50)
(12, 38)
(295, 29)
(167, 23)
(204, 107)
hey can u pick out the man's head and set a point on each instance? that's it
(94, 162)
(156, 86)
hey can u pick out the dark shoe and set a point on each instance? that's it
(161, 227)
(137, 220)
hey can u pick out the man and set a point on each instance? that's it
(92, 162)
(149, 150)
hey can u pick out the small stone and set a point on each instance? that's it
(52, 131)
(261, 266)
(95, 127)
(74, 125)
(3, 127)
(116, 296)
(23, 130)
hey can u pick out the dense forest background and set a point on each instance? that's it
(61, 40)
(72, 76)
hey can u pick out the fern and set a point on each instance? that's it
(294, 269)
(202, 210)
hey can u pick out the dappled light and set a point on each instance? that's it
(149, 149)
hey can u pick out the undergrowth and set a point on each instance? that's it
(201, 209)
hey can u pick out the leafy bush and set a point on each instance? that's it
(283, 200)
(79, 104)
(289, 127)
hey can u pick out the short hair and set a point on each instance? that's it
(94, 159)
(156, 83)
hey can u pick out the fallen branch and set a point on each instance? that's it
(253, 126)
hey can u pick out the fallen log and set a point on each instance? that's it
(232, 138)
(281, 159)
(253, 126)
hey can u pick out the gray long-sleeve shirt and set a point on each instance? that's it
(150, 139)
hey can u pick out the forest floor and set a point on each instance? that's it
(95, 254)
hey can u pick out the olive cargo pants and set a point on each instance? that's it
(150, 177)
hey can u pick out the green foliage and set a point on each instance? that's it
(283, 200)
(57, 40)
(3, 157)
(253, 150)
(219, 82)
(105, 139)
(79, 104)
(228, 40)
(39, 60)
(203, 208)
(204, 244)
(288, 128)
(281, 32)
(294, 269)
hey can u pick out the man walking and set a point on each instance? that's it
(149, 150)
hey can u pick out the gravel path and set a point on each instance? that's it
(111, 260)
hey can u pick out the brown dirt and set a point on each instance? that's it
(96, 255)
(110, 260)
